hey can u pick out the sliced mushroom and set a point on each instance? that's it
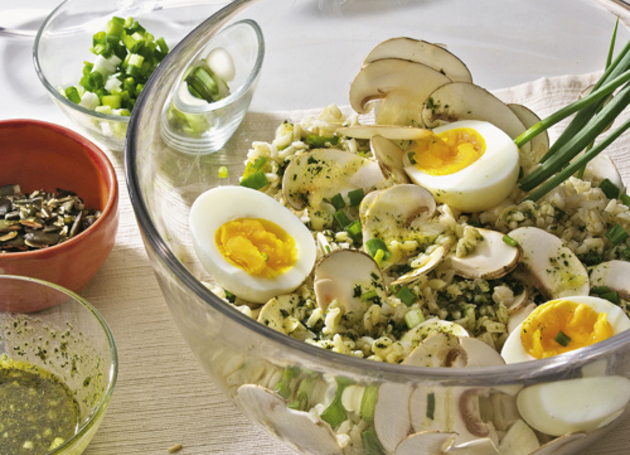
(390, 157)
(425, 443)
(520, 439)
(602, 167)
(277, 313)
(491, 259)
(401, 86)
(345, 275)
(464, 101)
(480, 354)
(519, 316)
(323, 173)
(391, 414)
(612, 274)
(568, 443)
(519, 302)
(415, 336)
(431, 409)
(433, 259)
(401, 212)
(554, 268)
(479, 446)
(303, 429)
(540, 143)
(393, 132)
(433, 55)
(470, 426)
(438, 350)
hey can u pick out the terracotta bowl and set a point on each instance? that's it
(39, 155)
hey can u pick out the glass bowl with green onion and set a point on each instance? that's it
(94, 57)
(334, 286)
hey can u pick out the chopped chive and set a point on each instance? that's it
(379, 256)
(414, 317)
(406, 296)
(337, 201)
(431, 406)
(626, 254)
(229, 296)
(223, 172)
(259, 163)
(611, 190)
(73, 95)
(599, 290)
(612, 297)
(510, 241)
(312, 140)
(203, 83)
(371, 444)
(617, 234)
(335, 413)
(356, 196)
(354, 231)
(342, 218)
(625, 199)
(562, 339)
(368, 402)
(283, 387)
(374, 245)
(412, 158)
(256, 181)
(369, 295)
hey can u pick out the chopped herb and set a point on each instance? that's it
(617, 234)
(342, 218)
(356, 196)
(256, 181)
(562, 339)
(337, 201)
(406, 296)
(510, 241)
(611, 190)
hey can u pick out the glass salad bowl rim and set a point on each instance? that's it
(535, 371)
(103, 401)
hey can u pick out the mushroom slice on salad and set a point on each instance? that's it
(390, 157)
(393, 132)
(304, 429)
(425, 443)
(539, 143)
(350, 277)
(520, 439)
(465, 101)
(430, 54)
(391, 414)
(431, 261)
(400, 85)
(601, 168)
(555, 269)
(564, 444)
(492, 257)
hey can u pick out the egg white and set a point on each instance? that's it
(220, 205)
(482, 184)
(514, 352)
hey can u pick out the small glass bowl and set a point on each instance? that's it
(64, 40)
(201, 127)
(69, 339)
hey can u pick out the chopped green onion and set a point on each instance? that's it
(414, 317)
(112, 101)
(617, 234)
(510, 241)
(337, 201)
(406, 296)
(431, 406)
(374, 245)
(312, 140)
(625, 200)
(259, 163)
(412, 157)
(342, 218)
(611, 190)
(369, 295)
(356, 196)
(256, 181)
(203, 83)
(379, 256)
(73, 95)
(223, 172)
(335, 413)
(354, 232)
(562, 339)
(368, 402)
(228, 295)
(612, 297)
(371, 444)
(599, 290)
(283, 387)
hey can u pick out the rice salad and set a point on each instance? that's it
(577, 211)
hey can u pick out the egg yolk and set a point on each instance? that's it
(447, 152)
(560, 326)
(257, 246)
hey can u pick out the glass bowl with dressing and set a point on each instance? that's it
(58, 368)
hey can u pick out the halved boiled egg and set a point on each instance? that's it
(470, 165)
(563, 325)
(249, 243)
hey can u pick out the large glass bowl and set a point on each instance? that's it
(68, 339)
(313, 50)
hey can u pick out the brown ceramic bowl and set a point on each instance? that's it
(39, 155)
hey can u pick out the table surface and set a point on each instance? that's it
(162, 398)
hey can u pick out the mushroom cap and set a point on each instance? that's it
(603, 167)
(401, 85)
(612, 274)
(555, 269)
(391, 414)
(491, 259)
(389, 156)
(430, 54)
